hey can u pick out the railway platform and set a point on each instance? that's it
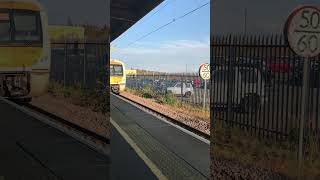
(166, 151)
(31, 149)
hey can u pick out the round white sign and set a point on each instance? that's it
(303, 31)
(204, 71)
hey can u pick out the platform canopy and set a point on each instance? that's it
(125, 13)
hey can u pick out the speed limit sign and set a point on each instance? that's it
(204, 71)
(302, 31)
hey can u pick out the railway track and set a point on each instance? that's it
(168, 118)
(68, 123)
(88, 137)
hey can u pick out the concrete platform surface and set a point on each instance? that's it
(176, 154)
(30, 149)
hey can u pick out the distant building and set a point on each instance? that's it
(131, 72)
(66, 33)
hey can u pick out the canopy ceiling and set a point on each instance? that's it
(125, 13)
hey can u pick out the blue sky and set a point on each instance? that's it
(184, 44)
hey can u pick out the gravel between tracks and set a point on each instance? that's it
(223, 169)
(84, 117)
(198, 123)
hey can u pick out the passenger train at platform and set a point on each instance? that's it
(24, 49)
(117, 76)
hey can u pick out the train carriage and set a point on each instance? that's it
(117, 76)
(24, 49)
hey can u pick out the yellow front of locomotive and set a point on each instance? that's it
(117, 76)
(24, 49)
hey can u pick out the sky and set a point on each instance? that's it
(179, 47)
(262, 17)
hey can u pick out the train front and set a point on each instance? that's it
(24, 49)
(117, 76)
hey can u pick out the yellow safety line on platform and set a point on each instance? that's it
(156, 171)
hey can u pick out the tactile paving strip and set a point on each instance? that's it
(172, 166)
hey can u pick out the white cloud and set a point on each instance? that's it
(169, 56)
(185, 44)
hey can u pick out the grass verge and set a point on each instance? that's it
(170, 99)
(280, 157)
(96, 100)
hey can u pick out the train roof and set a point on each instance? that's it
(125, 13)
(115, 61)
(32, 5)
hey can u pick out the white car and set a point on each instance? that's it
(248, 87)
(187, 89)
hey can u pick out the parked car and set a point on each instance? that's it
(261, 64)
(253, 62)
(248, 87)
(203, 84)
(296, 78)
(170, 83)
(280, 65)
(196, 83)
(187, 89)
(160, 86)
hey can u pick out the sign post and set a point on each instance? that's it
(204, 95)
(302, 31)
(204, 72)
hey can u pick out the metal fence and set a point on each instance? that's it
(84, 64)
(257, 85)
(192, 89)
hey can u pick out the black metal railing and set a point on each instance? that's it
(81, 64)
(192, 90)
(257, 85)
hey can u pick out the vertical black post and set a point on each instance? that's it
(304, 110)
(230, 87)
(84, 64)
(65, 63)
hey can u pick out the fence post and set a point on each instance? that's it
(166, 82)
(230, 90)
(84, 64)
(65, 63)
(136, 81)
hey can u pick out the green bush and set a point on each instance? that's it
(148, 92)
(168, 98)
(97, 99)
(55, 88)
(293, 136)
(313, 147)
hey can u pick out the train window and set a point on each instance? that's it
(116, 70)
(27, 26)
(5, 27)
